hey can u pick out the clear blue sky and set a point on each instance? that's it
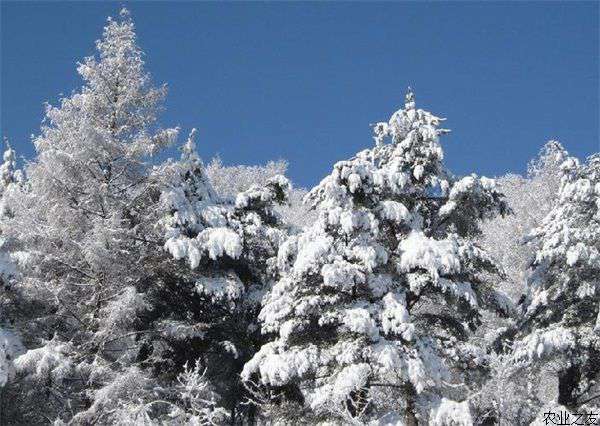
(303, 81)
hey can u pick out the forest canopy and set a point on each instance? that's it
(394, 292)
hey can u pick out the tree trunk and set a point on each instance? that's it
(232, 418)
(410, 417)
(567, 384)
(358, 401)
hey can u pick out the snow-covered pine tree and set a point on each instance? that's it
(530, 199)
(206, 312)
(10, 319)
(377, 298)
(84, 221)
(11, 179)
(9, 173)
(561, 321)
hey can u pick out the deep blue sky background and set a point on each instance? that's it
(303, 81)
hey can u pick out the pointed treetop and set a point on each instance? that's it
(548, 161)
(124, 13)
(189, 148)
(123, 17)
(8, 172)
(409, 99)
(9, 153)
(554, 150)
(119, 93)
(118, 36)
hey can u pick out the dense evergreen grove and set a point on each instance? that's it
(393, 292)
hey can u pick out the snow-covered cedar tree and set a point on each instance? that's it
(10, 299)
(377, 298)
(229, 181)
(530, 198)
(11, 180)
(85, 219)
(226, 249)
(560, 326)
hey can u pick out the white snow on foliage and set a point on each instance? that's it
(278, 367)
(473, 187)
(543, 343)
(122, 312)
(228, 287)
(450, 413)
(459, 290)
(10, 348)
(212, 242)
(358, 320)
(351, 378)
(50, 360)
(435, 256)
(125, 386)
(310, 254)
(220, 241)
(395, 318)
(388, 419)
(395, 211)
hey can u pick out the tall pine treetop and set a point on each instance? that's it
(113, 113)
